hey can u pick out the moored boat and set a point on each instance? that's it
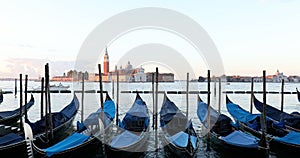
(12, 116)
(86, 140)
(286, 120)
(14, 144)
(131, 137)
(280, 139)
(178, 134)
(225, 136)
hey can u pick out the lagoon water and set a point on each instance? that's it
(92, 101)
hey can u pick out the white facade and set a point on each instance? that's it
(140, 76)
(278, 77)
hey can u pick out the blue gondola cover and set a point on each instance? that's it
(238, 138)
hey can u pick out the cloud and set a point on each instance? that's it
(34, 68)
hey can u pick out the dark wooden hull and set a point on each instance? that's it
(17, 150)
(227, 150)
(176, 150)
(135, 150)
(13, 119)
(275, 146)
(59, 133)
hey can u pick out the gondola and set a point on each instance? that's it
(131, 138)
(14, 144)
(85, 141)
(179, 136)
(280, 140)
(298, 94)
(289, 121)
(225, 137)
(11, 117)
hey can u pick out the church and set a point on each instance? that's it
(127, 74)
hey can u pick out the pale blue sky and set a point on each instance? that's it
(251, 35)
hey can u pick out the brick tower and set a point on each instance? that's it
(106, 62)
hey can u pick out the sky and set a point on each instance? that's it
(250, 35)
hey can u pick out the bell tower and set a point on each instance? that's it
(106, 62)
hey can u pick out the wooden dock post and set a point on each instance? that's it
(215, 86)
(21, 102)
(82, 99)
(251, 96)
(153, 100)
(16, 89)
(282, 94)
(101, 87)
(42, 97)
(220, 91)
(48, 100)
(117, 117)
(102, 106)
(263, 142)
(26, 85)
(156, 97)
(187, 95)
(208, 111)
(156, 104)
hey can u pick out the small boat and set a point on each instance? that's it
(14, 144)
(298, 94)
(225, 137)
(132, 135)
(85, 138)
(11, 117)
(289, 121)
(53, 87)
(179, 136)
(280, 139)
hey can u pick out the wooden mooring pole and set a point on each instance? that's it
(208, 111)
(220, 96)
(282, 94)
(251, 96)
(42, 97)
(26, 85)
(16, 89)
(187, 95)
(82, 99)
(117, 117)
(21, 102)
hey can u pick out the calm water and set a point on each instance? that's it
(91, 101)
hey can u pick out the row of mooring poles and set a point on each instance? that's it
(21, 100)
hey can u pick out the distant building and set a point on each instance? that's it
(62, 79)
(278, 77)
(162, 77)
(127, 74)
(72, 75)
